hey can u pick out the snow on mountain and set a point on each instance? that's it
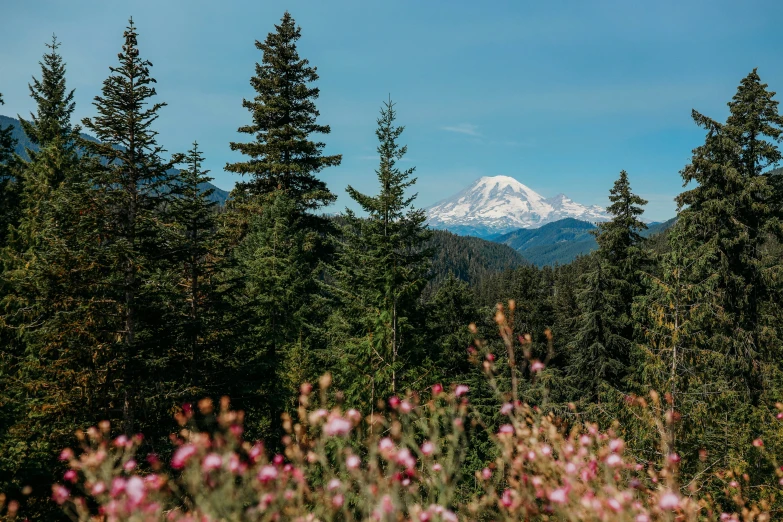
(498, 204)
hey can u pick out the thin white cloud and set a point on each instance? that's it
(463, 128)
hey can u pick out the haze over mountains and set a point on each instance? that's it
(495, 205)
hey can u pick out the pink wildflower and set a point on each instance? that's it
(437, 389)
(60, 494)
(97, 488)
(70, 476)
(506, 429)
(182, 455)
(427, 448)
(758, 443)
(353, 415)
(234, 464)
(267, 473)
(337, 426)
(117, 486)
(130, 465)
(669, 501)
(559, 496)
(506, 409)
(394, 402)
(352, 462)
(614, 460)
(338, 500)
(386, 445)
(614, 505)
(135, 490)
(461, 390)
(507, 499)
(486, 473)
(405, 459)
(153, 481)
(405, 407)
(66, 454)
(537, 366)
(334, 484)
(211, 462)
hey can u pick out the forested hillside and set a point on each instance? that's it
(563, 241)
(362, 366)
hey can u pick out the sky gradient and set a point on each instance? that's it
(560, 95)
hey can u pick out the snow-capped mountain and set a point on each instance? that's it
(498, 204)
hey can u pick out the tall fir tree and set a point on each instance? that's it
(48, 305)
(282, 155)
(201, 262)
(134, 182)
(600, 352)
(712, 316)
(621, 245)
(727, 219)
(273, 218)
(381, 273)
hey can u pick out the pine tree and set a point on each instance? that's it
(279, 265)
(601, 349)
(282, 155)
(134, 184)
(727, 218)
(598, 352)
(201, 263)
(712, 316)
(620, 243)
(52, 122)
(280, 243)
(48, 303)
(382, 271)
(9, 196)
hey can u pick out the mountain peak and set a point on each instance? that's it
(497, 204)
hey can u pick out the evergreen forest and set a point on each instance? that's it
(129, 291)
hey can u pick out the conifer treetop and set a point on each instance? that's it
(125, 115)
(622, 232)
(55, 103)
(282, 155)
(391, 203)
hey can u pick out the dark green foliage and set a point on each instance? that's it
(598, 353)
(9, 187)
(278, 262)
(712, 315)
(55, 104)
(280, 245)
(47, 279)
(380, 275)
(468, 258)
(282, 156)
(203, 289)
(133, 183)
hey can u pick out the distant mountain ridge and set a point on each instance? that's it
(562, 241)
(495, 205)
(23, 142)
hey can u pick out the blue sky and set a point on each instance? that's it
(561, 95)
